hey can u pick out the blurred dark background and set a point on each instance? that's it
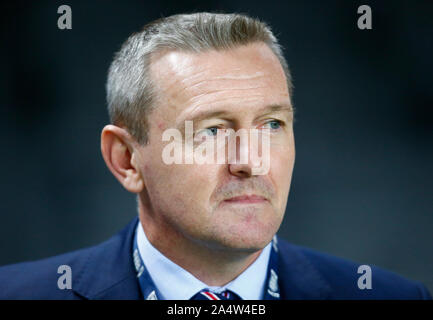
(363, 182)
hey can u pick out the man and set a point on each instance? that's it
(205, 230)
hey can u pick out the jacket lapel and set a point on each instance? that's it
(108, 272)
(299, 279)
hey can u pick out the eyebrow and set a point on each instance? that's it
(277, 107)
(208, 114)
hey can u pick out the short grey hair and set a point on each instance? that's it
(130, 90)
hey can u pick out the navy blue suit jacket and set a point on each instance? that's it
(106, 271)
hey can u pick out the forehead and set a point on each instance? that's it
(240, 79)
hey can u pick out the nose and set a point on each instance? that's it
(239, 161)
(240, 170)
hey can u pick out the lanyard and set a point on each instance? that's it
(148, 288)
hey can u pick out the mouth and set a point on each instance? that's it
(246, 199)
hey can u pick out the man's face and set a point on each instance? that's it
(220, 205)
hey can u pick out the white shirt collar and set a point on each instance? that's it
(175, 283)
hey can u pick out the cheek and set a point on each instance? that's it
(197, 183)
(282, 161)
(186, 186)
(186, 200)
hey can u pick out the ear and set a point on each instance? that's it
(120, 153)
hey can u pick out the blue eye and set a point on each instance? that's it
(212, 131)
(274, 124)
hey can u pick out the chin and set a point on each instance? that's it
(248, 246)
(249, 230)
(246, 229)
(250, 240)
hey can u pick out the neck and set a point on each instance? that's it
(215, 267)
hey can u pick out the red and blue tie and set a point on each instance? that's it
(208, 295)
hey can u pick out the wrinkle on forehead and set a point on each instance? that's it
(221, 91)
(196, 80)
(234, 76)
(226, 76)
(193, 84)
(209, 85)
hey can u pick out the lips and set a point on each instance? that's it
(246, 199)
